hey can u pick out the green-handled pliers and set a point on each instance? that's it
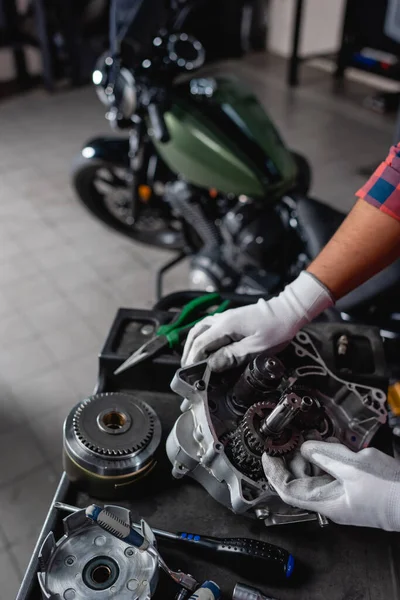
(174, 333)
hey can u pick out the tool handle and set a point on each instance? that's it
(265, 560)
(178, 334)
(193, 306)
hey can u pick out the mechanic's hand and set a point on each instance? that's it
(358, 488)
(235, 336)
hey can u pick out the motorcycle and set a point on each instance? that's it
(205, 172)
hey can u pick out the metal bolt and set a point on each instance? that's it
(200, 385)
(132, 584)
(322, 520)
(306, 403)
(342, 345)
(129, 552)
(262, 513)
(147, 329)
(69, 561)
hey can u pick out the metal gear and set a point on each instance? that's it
(259, 444)
(113, 424)
(246, 445)
(110, 442)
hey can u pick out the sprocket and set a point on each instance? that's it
(246, 445)
(286, 442)
(89, 428)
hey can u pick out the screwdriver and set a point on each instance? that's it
(247, 556)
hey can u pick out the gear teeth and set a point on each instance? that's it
(144, 441)
(246, 446)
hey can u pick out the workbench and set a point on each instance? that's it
(334, 563)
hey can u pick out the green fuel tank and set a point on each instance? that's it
(226, 141)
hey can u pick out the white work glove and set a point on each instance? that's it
(357, 488)
(235, 336)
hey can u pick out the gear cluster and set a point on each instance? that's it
(247, 444)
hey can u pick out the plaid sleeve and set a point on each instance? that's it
(383, 187)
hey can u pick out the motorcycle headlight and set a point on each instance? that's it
(118, 91)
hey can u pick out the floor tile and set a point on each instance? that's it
(111, 266)
(54, 314)
(96, 305)
(11, 414)
(16, 225)
(82, 374)
(41, 394)
(8, 248)
(66, 212)
(73, 341)
(56, 256)
(17, 501)
(26, 359)
(19, 454)
(16, 268)
(30, 292)
(7, 308)
(71, 275)
(21, 554)
(9, 577)
(38, 238)
(48, 429)
(15, 329)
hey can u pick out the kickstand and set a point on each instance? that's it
(161, 272)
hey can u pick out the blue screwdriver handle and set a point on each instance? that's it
(110, 522)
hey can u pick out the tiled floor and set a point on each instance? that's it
(63, 275)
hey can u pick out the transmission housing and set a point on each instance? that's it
(330, 382)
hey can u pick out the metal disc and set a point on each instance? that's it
(114, 424)
(89, 563)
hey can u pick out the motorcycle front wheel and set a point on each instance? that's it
(105, 189)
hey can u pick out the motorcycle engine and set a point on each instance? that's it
(329, 382)
(255, 249)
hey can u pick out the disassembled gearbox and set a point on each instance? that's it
(329, 382)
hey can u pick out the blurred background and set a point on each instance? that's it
(327, 74)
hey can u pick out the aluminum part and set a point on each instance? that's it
(282, 415)
(217, 439)
(109, 440)
(88, 562)
(245, 592)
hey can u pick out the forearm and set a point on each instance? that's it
(367, 242)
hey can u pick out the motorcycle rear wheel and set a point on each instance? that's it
(104, 189)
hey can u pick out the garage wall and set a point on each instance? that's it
(322, 25)
(33, 57)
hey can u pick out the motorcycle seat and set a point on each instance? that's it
(318, 222)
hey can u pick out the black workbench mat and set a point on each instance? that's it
(342, 563)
